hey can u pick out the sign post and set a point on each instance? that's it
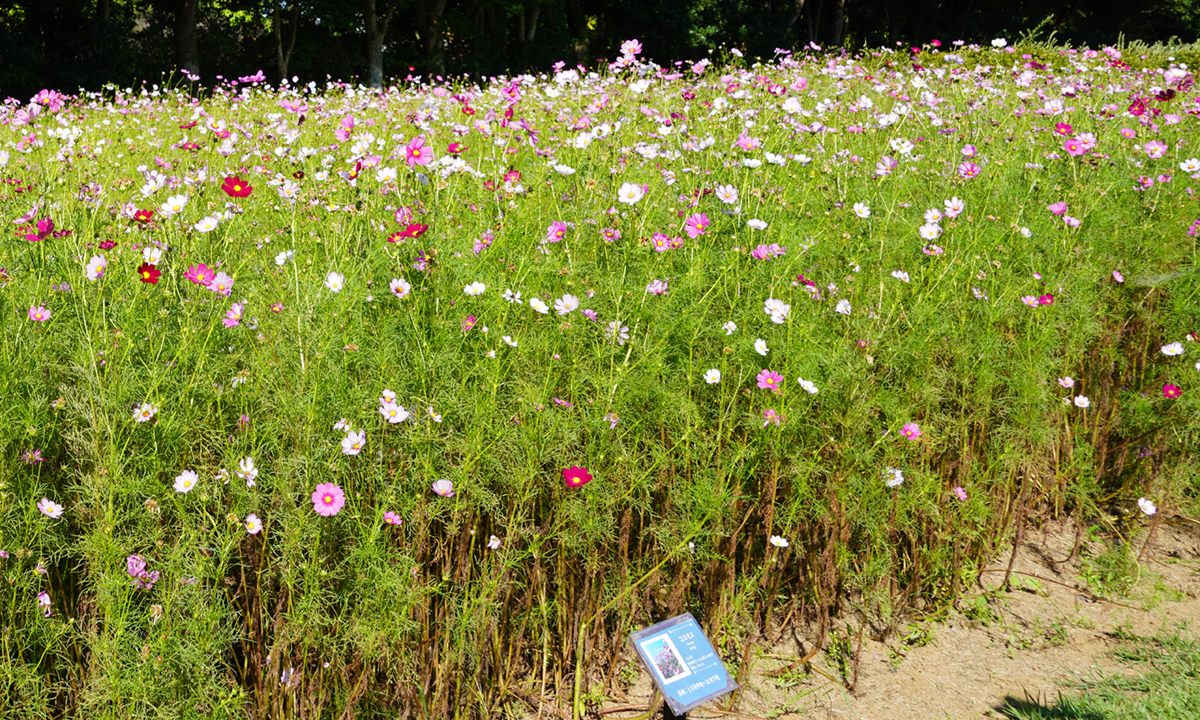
(682, 663)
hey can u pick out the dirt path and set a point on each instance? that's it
(1020, 647)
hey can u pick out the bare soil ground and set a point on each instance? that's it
(1019, 648)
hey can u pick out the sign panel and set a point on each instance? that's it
(682, 663)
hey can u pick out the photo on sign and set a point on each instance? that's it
(667, 661)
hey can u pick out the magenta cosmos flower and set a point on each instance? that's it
(911, 430)
(328, 499)
(39, 313)
(695, 225)
(417, 153)
(576, 477)
(769, 380)
(392, 518)
(1172, 391)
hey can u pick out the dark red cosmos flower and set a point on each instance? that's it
(107, 244)
(414, 230)
(576, 477)
(143, 216)
(299, 174)
(235, 187)
(147, 273)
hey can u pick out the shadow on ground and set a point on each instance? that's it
(1030, 709)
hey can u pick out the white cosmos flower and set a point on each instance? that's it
(778, 541)
(843, 306)
(1147, 506)
(537, 304)
(630, 193)
(1173, 349)
(930, 231)
(760, 347)
(1082, 401)
(777, 309)
(729, 327)
(509, 341)
(713, 376)
(512, 297)
(475, 289)
(862, 210)
(900, 275)
(756, 224)
(400, 287)
(563, 169)
(282, 258)
(185, 481)
(207, 224)
(96, 267)
(335, 281)
(151, 254)
(894, 477)
(809, 386)
(173, 205)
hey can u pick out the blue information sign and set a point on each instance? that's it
(682, 662)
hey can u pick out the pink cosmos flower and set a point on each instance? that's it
(200, 274)
(556, 231)
(1058, 208)
(657, 287)
(769, 380)
(911, 430)
(221, 284)
(1171, 391)
(233, 316)
(770, 416)
(345, 127)
(969, 170)
(392, 518)
(445, 488)
(38, 313)
(417, 153)
(328, 499)
(1073, 147)
(695, 225)
(960, 493)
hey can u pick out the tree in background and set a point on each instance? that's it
(67, 44)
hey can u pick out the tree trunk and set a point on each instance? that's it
(103, 12)
(839, 28)
(282, 57)
(814, 23)
(795, 15)
(375, 34)
(578, 27)
(429, 29)
(527, 33)
(186, 55)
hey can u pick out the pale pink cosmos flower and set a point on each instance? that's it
(253, 524)
(1067, 382)
(493, 543)
(657, 287)
(443, 487)
(353, 443)
(233, 316)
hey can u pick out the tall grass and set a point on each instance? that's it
(350, 616)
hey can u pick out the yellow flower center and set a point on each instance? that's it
(328, 499)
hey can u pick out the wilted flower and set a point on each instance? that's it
(894, 477)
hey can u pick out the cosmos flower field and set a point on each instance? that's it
(326, 402)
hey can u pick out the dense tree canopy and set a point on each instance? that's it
(67, 44)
